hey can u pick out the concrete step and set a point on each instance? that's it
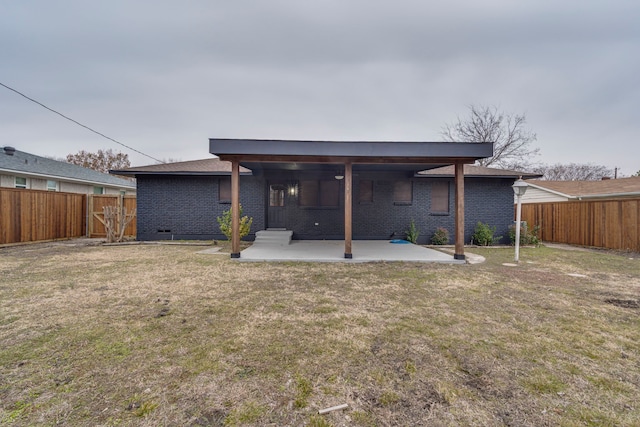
(280, 237)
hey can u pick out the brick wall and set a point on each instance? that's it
(489, 201)
(187, 207)
(486, 200)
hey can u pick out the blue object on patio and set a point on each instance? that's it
(399, 241)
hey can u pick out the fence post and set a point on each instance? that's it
(89, 215)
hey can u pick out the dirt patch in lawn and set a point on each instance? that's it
(626, 303)
(164, 335)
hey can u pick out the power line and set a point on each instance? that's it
(78, 123)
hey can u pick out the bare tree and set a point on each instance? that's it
(512, 141)
(116, 220)
(573, 172)
(102, 161)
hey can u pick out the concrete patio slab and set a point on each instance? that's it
(333, 251)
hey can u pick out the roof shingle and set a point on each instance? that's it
(212, 166)
(30, 164)
(620, 186)
(477, 172)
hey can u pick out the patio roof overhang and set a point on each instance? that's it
(260, 154)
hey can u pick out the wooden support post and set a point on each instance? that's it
(459, 249)
(235, 209)
(348, 206)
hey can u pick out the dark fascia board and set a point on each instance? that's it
(357, 149)
(471, 175)
(135, 173)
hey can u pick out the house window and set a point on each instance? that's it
(314, 193)
(224, 189)
(403, 192)
(98, 190)
(440, 198)
(21, 182)
(52, 185)
(365, 191)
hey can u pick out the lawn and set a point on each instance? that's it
(154, 335)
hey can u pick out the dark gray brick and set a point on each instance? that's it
(187, 208)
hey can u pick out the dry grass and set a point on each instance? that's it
(162, 335)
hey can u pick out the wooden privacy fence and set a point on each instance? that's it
(610, 224)
(97, 203)
(34, 215)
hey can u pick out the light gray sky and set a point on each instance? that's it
(164, 76)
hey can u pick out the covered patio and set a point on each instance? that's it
(332, 251)
(347, 157)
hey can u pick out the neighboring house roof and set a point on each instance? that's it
(622, 187)
(473, 171)
(22, 163)
(206, 167)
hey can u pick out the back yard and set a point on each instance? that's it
(162, 335)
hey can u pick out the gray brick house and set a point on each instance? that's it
(182, 200)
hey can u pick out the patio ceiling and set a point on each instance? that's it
(258, 167)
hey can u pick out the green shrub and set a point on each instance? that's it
(527, 237)
(225, 224)
(440, 237)
(412, 233)
(483, 235)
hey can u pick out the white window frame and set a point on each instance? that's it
(55, 187)
(95, 187)
(24, 186)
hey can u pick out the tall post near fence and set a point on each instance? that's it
(519, 188)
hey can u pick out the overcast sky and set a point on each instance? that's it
(163, 77)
